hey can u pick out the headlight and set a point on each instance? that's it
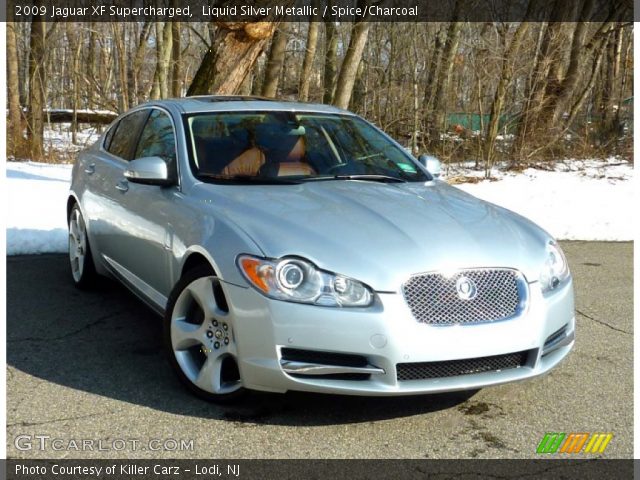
(555, 269)
(297, 280)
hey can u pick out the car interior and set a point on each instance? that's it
(251, 149)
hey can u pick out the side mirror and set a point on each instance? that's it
(432, 164)
(148, 171)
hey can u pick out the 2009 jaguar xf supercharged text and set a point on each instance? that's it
(297, 247)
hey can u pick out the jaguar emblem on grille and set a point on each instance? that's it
(466, 288)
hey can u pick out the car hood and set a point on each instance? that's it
(381, 233)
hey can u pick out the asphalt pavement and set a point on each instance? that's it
(86, 369)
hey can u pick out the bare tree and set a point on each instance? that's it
(176, 58)
(501, 93)
(121, 66)
(14, 122)
(443, 80)
(72, 37)
(274, 63)
(37, 89)
(310, 53)
(561, 88)
(349, 69)
(234, 51)
(330, 61)
(135, 72)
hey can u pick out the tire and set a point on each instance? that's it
(83, 271)
(199, 338)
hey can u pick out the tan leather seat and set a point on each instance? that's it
(295, 163)
(247, 163)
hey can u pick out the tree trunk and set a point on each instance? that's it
(415, 150)
(90, 71)
(330, 61)
(350, 64)
(14, 122)
(235, 49)
(74, 44)
(135, 90)
(176, 58)
(121, 66)
(359, 95)
(575, 108)
(37, 85)
(500, 95)
(574, 70)
(443, 80)
(155, 92)
(164, 48)
(309, 56)
(532, 86)
(433, 73)
(274, 63)
(164, 59)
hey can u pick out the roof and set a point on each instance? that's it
(217, 103)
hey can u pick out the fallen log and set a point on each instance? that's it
(101, 117)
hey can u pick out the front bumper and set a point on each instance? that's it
(386, 334)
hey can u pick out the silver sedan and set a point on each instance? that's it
(297, 247)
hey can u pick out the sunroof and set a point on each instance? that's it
(231, 98)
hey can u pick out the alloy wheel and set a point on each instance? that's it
(202, 338)
(77, 244)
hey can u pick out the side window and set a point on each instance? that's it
(109, 136)
(126, 134)
(157, 138)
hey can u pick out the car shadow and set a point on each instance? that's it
(106, 342)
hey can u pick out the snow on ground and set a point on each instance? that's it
(36, 215)
(589, 200)
(581, 200)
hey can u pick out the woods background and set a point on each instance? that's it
(486, 92)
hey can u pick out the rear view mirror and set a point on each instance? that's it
(432, 164)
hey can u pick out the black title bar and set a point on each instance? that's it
(321, 10)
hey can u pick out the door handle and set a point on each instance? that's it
(91, 169)
(122, 186)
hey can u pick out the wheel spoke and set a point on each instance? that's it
(80, 227)
(73, 246)
(202, 292)
(73, 229)
(185, 334)
(75, 264)
(210, 376)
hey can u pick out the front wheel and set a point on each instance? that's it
(200, 338)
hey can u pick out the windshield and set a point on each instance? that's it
(286, 147)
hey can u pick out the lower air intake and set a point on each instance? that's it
(455, 368)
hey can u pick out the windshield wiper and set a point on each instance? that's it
(365, 177)
(247, 179)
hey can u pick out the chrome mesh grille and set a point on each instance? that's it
(434, 298)
(454, 368)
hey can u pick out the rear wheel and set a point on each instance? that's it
(82, 268)
(200, 338)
